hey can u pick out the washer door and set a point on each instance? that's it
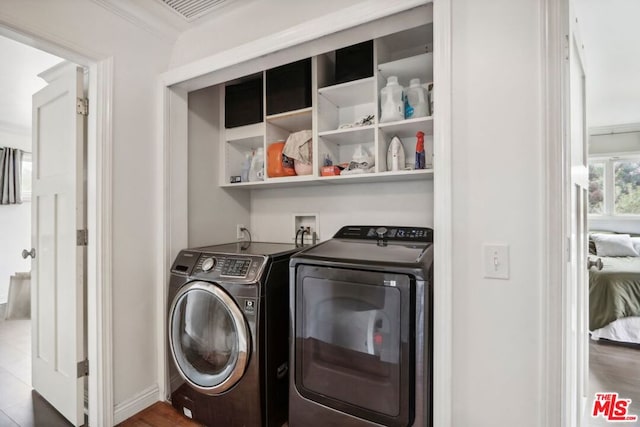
(208, 337)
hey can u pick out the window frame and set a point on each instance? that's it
(609, 161)
(26, 158)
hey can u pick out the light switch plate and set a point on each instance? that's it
(496, 261)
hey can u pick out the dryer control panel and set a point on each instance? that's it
(229, 267)
(388, 233)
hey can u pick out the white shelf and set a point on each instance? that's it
(285, 181)
(408, 128)
(350, 93)
(354, 135)
(245, 135)
(419, 66)
(293, 121)
(405, 175)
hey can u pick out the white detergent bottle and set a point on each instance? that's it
(395, 155)
(417, 97)
(391, 101)
(256, 173)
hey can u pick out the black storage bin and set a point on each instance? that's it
(289, 87)
(354, 62)
(243, 103)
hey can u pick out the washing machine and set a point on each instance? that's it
(361, 311)
(227, 314)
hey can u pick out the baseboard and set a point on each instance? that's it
(138, 403)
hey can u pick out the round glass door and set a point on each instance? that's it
(209, 337)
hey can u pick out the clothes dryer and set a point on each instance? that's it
(361, 315)
(227, 314)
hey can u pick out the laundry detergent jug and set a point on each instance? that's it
(277, 163)
(391, 101)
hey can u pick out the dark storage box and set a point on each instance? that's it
(243, 103)
(354, 62)
(289, 87)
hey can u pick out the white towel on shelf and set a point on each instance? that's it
(298, 146)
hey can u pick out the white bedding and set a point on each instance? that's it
(626, 329)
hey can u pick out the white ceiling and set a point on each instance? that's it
(18, 81)
(611, 38)
(610, 34)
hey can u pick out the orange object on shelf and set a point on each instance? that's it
(277, 163)
(329, 171)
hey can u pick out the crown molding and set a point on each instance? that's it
(167, 29)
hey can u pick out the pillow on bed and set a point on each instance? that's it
(614, 245)
(635, 241)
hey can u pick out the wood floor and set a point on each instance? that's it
(160, 414)
(614, 368)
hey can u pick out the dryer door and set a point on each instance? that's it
(209, 337)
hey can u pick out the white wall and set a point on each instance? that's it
(627, 142)
(15, 224)
(138, 58)
(497, 197)
(398, 203)
(248, 20)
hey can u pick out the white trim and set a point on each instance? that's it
(99, 256)
(553, 403)
(134, 14)
(138, 403)
(443, 221)
(99, 173)
(614, 129)
(343, 19)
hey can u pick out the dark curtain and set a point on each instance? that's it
(10, 176)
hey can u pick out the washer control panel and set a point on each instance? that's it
(229, 266)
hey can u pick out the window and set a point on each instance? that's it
(627, 187)
(26, 177)
(614, 186)
(596, 188)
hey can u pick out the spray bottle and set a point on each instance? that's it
(420, 150)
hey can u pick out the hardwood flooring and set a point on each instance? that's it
(614, 368)
(160, 414)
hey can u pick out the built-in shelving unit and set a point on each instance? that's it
(337, 117)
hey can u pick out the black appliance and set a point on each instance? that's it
(228, 329)
(361, 310)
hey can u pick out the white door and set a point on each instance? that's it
(576, 294)
(58, 263)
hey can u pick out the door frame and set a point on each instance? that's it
(99, 210)
(555, 40)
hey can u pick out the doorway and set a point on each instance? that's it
(19, 404)
(98, 206)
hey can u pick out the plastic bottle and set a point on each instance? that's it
(391, 101)
(416, 100)
(420, 164)
(246, 167)
(256, 173)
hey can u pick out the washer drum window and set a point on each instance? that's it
(208, 336)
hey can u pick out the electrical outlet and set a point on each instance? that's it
(239, 232)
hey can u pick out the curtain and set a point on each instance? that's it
(10, 176)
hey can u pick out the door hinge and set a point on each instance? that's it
(568, 249)
(82, 106)
(82, 237)
(566, 47)
(83, 368)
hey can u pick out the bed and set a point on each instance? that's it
(614, 291)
